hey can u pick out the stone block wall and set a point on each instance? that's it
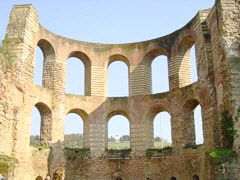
(214, 33)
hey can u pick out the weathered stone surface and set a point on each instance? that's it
(215, 33)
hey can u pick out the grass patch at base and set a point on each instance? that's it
(7, 162)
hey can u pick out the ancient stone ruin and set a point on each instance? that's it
(214, 32)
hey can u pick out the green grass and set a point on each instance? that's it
(126, 145)
(160, 145)
(120, 145)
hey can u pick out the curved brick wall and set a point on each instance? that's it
(216, 67)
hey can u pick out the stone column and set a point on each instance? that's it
(98, 81)
(57, 155)
(140, 80)
(179, 69)
(229, 37)
(97, 135)
(21, 32)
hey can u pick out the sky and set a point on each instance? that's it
(110, 21)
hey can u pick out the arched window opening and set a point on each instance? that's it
(193, 123)
(198, 125)
(187, 59)
(160, 82)
(39, 178)
(75, 76)
(44, 64)
(162, 130)
(73, 132)
(35, 127)
(38, 67)
(119, 178)
(195, 177)
(41, 125)
(173, 178)
(118, 85)
(118, 132)
(193, 64)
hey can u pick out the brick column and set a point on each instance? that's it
(22, 29)
(140, 80)
(98, 81)
(138, 138)
(228, 15)
(179, 70)
(58, 116)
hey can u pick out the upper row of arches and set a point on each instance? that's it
(78, 65)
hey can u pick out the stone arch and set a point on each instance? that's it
(150, 126)
(118, 176)
(48, 62)
(82, 56)
(183, 59)
(117, 112)
(179, 61)
(118, 57)
(160, 74)
(124, 59)
(188, 125)
(144, 69)
(87, 69)
(195, 177)
(86, 124)
(46, 123)
(39, 178)
(109, 116)
(151, 54)
(188, 36)
(172, 175)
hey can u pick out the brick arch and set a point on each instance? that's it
(79, 112)
(187, 36)
(125, 60)
(47, 48)
(156, 110)
(150, 116)
(109, 116)
(195, 177)
(49, 55)
(81, 56)
(119, 57)
(39, 178)
(46, 123)
(187, 118)
(151, 54)
(117, 112)
(171, 174)
(86, 124)
(118, 176)
(190, 104)
(180, 64)
(87, 69)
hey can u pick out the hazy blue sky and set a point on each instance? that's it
(111, 21)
